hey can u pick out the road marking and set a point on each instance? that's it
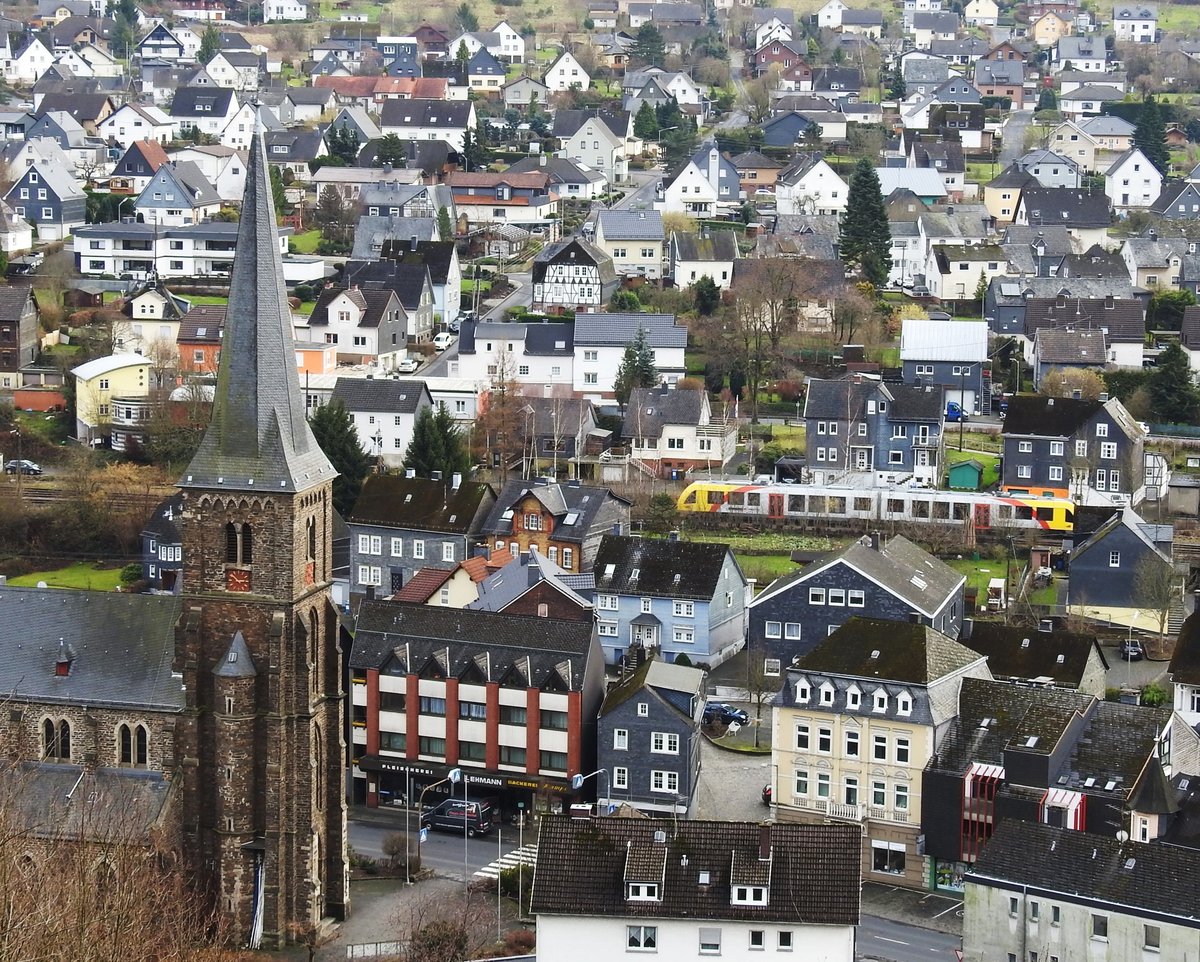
(885, 939)
(953, 908)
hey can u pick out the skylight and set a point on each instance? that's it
(571, 518)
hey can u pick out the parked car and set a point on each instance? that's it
(450, 815)
(22, 467)
(766, 794)
(442, 340)
(716, 712)
(1131, 650)
(408, 365)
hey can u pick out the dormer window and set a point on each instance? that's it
(853, 698)
(802, 693)
(880, 701)
(748, 895)
(826, 694)
(643, 892)
(904, 704)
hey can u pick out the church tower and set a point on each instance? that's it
(260, 745)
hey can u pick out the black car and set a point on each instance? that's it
(1131, 650)
(718, 713)
(22, 467)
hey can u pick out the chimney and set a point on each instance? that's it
(412, 242)
(62, 664)
(541, 160)
(1104, 397)
(410, 473)
(764, 843)
(435, 475)
(875, 540)
(1109, 303)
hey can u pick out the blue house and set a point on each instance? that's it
(162, 547)
(894, 580)
(668, 597)
(50, 199)
(860, 425)
(785, 130)
(648, 739)
(177, 195)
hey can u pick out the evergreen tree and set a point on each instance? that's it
(474, 156)
(1047, 99)
(865, 239)
(707, 295)
(462, 54)
(1174, 398)
(645, 124)
(1150, 135)
(437, 445)
(648, 47)
(334, 430)
(343, 144)
(210, 44)
(391, 150)
(277, 192)
(637, 369)
(897, 88)
(445, 228)
(467, 21)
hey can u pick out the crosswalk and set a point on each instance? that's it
(526, 855)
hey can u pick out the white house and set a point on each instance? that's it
(600, 342)
(981, 13)
(29, 63)
(368, 325)
(131, 122)
(239, 128)
(428, 120)
(1132, 182)
(597, 145)
(284, 10)
(512, 44)
(1135, 22)
(90, 61)
(384, 411)
(829, 17)
(808, 185)
(770, 30)
(705, 254)
(223, 167)
(237, 69)
(16, 233)
(567, 73)
(690, 889)
(707, 183)
(536, 355)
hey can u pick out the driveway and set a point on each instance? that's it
(731, 782)
(1013, 144)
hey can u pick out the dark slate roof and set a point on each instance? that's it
(1012, 176)
(513, 650)
(568, 250)
(186, 100)
(1064, 205)
(1072, 347)
(81, 106)
(583, 865)
(122, 647)
(1015, 652)
(717, 245)
(381, 394)
(419, 504)
(163, 523)
(1122, 318)
(373, 301)
(630, 224)
(14, 299)
(435, 255)
(666, 568)
(911, 403)
(839, 399)
(1032, 414)
(528, 570)
(893, 651)
(621, 328)
(407, 280)
(447, 114)
(560, 500)
(900, 567)
(1189, 334)
(300, 143)
(567, 122)
(1115, 876)
(650, 409)
(258, 437)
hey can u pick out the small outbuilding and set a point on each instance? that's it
(966, 475)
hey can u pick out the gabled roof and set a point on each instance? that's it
(655, 675)
(1064, 205)
(1093, 92)
(381, 394)
(419, 504)
(423, 584)
(898, 566)
(503, 587)
(617, 328)
(374, 303)
(717, 246)
(872, 648)
(582, 870)
(188, 101)
(1132, 522)
(630, 225)
(581, 503)
(1106, 125)
(658, 567)
(650, 409)
(445, 114)
(568, 122)
(1185, 662)
(1123, 318)
(1034, 415)
(1189, 334)
(1088, 347)
(1025, 654)
(926, 340)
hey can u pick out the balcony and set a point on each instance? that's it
(851, 813)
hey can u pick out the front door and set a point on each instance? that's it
(862, 459)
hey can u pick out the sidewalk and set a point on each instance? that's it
(940, 911)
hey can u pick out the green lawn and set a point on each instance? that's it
(207, 299)
(305, 242)
(83, 574)
(990, 462)
(974, 440)
(1177, 18)
(468, 287)
(1045, 596)
(981, 173)
(765, 568)
(978, 573)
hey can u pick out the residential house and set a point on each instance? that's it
(1088, 100)
(861, 425)
(1080, 53)
(1070, 80)
(292, 149)
(1090, 451)
(16, 233)
(522, 199)
(177, 195)
(402, 524)
(572, 272)
(928, 26)
(950, 355)
(1189, 335)
(367, 325)
(672, 432)
(1155, 262)
(600, 341)
(785, 53)
(857, 720)
(445, 273)
(50, 199)
(981, 13)
(1135, 22)
(29, 63)
(704, 185)
(1068, 349)
(808, 185)
(1067, 891)
(566, 73)
(485, 73)
(1050, 169)
(275, 10)
(893, 580)
(130, 123)
(162, 547)
(1071, 660)
(599, 139)
(1026, 757)
(756, 171)
(101, 384)
(528, 584)
(162, 43)
(1001, 78)
(207, 110)
(612, 885)
(829, 16)
(1108, 566)
(1048, 29)
(947, 159)
(19, 333)
(537, 355)
(523, 91)
(666, 598)
(634, 240)
(708, 254)
(863, 23)
(1069, 140)
(507, 700)
(650, 721)
(954, 272)
(1121, 318)
(86, 155)
(1132, 182)
(239, 70)
(923, 73)
(565, 522)
(569, 179)
(415, 119)
(1084, 213)
(412, 284)
(1111, 133)
(1177, 200)
(376, 404)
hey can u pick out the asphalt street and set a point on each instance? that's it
(896, 942)
(441, 851)
(1013, 144)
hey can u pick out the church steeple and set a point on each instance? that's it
(258, 438)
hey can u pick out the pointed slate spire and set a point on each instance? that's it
(237, 661)
(258, 437)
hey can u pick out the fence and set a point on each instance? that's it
(374, 950)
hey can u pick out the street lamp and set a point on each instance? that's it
(452, 777)
(578, 780)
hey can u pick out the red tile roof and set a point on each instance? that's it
(423, 584)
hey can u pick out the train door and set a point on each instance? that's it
(983, 516)
(775, 505)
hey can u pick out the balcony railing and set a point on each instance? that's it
(851, 813)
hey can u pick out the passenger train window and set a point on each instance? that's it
(795, 503)
(753, 499)
(895, 506)
(1045, 514)
(960, 511)
(837, 505)
(862, 504)
(941, 511)
(920, 509)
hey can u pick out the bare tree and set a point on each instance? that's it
(1156, 586)
(1064, 382)
(438, 928)
(762, 687)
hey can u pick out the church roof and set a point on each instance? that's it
(258, 437)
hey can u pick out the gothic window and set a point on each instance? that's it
(141, 746)
(56, 740)
(319, 757)
(312, 539)
(125, 735)
(238, 544)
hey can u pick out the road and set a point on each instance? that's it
(884, 939)
(521, 295)
(643, 197)
(441, 851)
(1013, 144)
(738, 116)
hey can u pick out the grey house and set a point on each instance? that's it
(951, 355)
(1107, 566)
(162, 547)
(402, 524)
(648, 739)
(894, 580)
(50, 199)
(862, 425)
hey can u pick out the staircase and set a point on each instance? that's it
(1175, 617)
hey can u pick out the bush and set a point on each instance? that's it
(1154, 696)
(131, 573)
(683, 659)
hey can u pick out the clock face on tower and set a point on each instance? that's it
(237, 580)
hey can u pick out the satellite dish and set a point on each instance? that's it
(1122, 836)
